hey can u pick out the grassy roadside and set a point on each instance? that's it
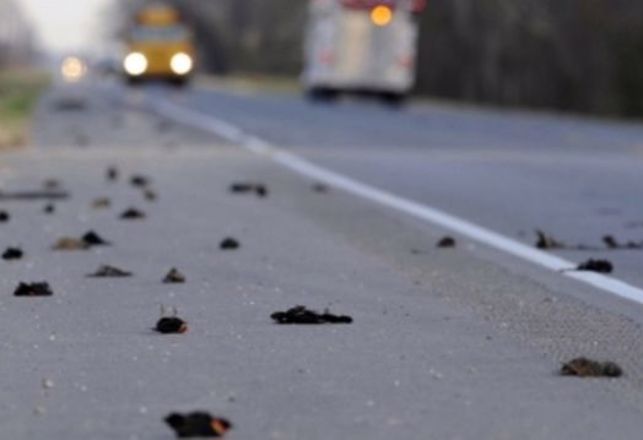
(19, 92)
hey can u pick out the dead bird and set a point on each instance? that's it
(198, 424)
(139, 181)
(93, 239)
(106, 271)
(70, 244)
(12, 254)
(171, 324)
(4, 216)
(33, 289)
(174, 277)
(229, 244)
(447, 242)
(600, 266)
(87, 241)
(112, 174)
(101, 203)
(302, 315)
(545, 241)
(259, 189)
(50, 208)
(614, 244)
(132, 214)
(583, 367)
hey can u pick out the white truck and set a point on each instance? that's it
(361, 46)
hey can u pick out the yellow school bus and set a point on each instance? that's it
(159, 46)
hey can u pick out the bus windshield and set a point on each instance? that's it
(160, 33)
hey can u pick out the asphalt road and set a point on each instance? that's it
(460, 343)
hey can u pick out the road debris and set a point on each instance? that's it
(229, 244)
(259, 189)
(12, 254)
(302, 315)
(171, 325)
(107, 271)
(174, 277)
(49, 208)
(33, 289)
(112, 174)
(4, 216)
(101, 203)
(198, 424)
(600, 266)
(139, 181)
(446, 242)
(548, 242)
(132, 214)
(583, 367)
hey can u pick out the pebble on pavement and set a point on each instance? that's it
(198, 424)
(4, 216)
(33, 289)
(302, 315)
(49, 208)
(583, 367)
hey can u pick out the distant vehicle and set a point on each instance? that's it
(361, 46)
(73, 69)
(159, 46)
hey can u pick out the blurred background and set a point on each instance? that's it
(573, 55)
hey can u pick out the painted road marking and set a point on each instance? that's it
(427, 213)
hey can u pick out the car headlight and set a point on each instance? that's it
(73, 69)
(135, 64)
(181, 63)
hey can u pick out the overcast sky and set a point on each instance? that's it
(65, 24)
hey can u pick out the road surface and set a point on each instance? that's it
(460, 343)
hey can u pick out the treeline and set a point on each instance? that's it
(577, 55)
(16, 37)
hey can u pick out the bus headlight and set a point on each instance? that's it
(181, 63)
(135, 64)
(381, 15)
(73, 69)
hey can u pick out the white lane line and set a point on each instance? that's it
(427, 213)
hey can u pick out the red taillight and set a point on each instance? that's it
(415, 6)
